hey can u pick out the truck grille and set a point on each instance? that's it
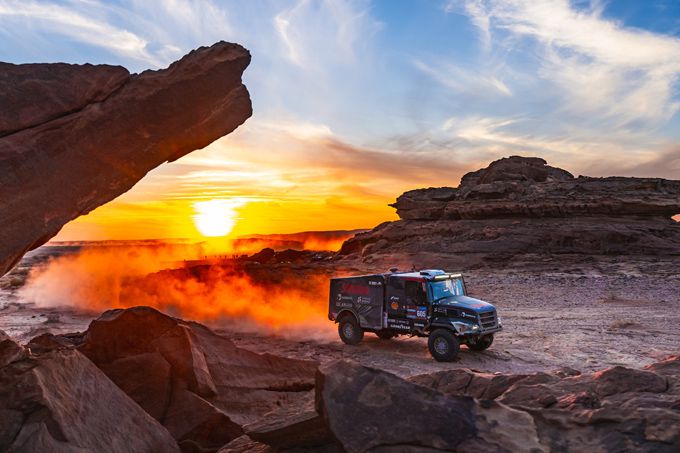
(488, 320)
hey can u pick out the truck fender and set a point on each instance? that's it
(441, 325)
(344, 313)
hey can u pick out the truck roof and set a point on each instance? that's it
(424, 275)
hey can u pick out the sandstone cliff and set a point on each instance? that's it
(73, 137)
(521, 206)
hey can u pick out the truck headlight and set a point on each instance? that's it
(464, 327)
(500, 321)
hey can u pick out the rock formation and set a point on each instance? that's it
(520, 206)
(372, 410)
(199, 385)
(367, 410)
(617, 409)
(73, 137)
(58, 401)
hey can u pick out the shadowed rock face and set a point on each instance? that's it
(368, 410)
(371, 410)
(617, 409)
(198, 384)
(59, 401)
(519, 206)
(75, 137)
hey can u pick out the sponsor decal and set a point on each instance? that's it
(357, 290)
(399, 324)
(421, 312)
(394, 305)
(418, 324)
(411, 312)
(364, 300)
(375, 283)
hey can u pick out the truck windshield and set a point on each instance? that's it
(447, 288)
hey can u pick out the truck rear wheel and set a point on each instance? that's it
(349, 330)
(443, 345)
(482, 343)
(385, 334)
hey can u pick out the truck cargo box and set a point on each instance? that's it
(362, 295)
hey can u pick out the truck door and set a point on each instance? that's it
(417, 307)
(395, 298)
(406, 304)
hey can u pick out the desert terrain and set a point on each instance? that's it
(585, 316)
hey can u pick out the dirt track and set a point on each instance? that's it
(585, 321)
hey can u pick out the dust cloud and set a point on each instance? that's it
(241, 296)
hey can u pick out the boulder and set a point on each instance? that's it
(476, 384)
(60, 402)
(304, 429)
(196, 383)
(617, 409)
(372, 410)
(9, 350)
(73, 137)
(244, 443)
(619, 379)
(291, 426)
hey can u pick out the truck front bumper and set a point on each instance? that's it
(467, 330)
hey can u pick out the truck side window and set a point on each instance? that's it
(415, 294)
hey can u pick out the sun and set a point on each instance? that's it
(216, 217)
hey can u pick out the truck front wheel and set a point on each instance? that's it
(443, 345)
(349, 330)
(482, 343)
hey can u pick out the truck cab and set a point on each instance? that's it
(427, 303)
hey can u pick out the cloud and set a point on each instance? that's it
(584, 152)
(664, 164)
(465, 81)
(68, 22)
(478, 15)
(327, 31)
(621, 75)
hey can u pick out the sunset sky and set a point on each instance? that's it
(357, 101)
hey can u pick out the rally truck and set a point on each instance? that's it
(427, 303)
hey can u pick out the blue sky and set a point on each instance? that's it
(386, 95)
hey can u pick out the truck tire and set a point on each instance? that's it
(443, 345)
(349, 330)
(482, 343)
(385, 334)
